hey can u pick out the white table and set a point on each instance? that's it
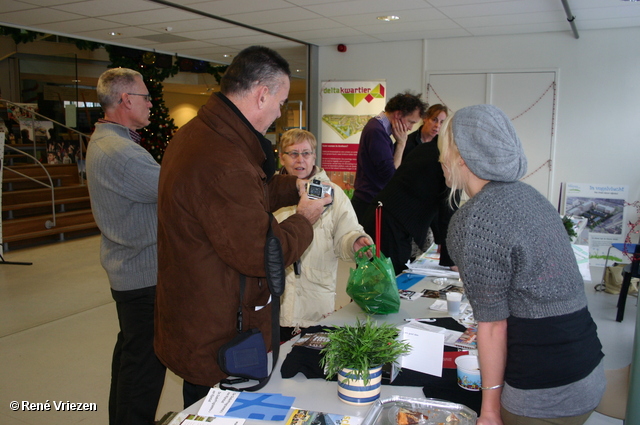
(321, 395)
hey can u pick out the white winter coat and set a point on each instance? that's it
(311, 296)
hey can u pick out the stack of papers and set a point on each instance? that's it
(427, 265)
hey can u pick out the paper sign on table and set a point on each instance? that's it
(427, 350)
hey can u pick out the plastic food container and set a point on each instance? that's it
(432, 411)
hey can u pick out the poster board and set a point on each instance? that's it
(346, 107)
(603, 205)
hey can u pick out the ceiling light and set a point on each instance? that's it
(388, 18)
(226, 56)
(113, 33)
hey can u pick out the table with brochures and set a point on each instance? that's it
(321, 395)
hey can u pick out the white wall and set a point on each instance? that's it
(183, 107)
(598, 104)
(400, 63)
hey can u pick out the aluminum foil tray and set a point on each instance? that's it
(438, 412)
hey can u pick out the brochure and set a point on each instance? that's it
(256, 406)
(316, 341)
(309, 417)
(468, 339)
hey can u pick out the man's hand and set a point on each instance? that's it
(400, 130)
(312, 209)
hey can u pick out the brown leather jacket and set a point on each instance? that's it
(213, 205)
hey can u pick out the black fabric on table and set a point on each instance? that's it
(307, 361)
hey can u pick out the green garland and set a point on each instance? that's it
(157, 135)
(20, 35)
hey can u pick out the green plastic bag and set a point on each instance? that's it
(372, 285)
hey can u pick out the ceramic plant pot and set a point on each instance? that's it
(352, 390)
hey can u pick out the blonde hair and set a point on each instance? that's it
(295, 136)
(450, 158)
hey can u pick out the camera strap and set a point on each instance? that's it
(275, 276)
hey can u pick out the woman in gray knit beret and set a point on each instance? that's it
(540, 357)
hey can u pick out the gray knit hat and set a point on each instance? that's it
(488, 143)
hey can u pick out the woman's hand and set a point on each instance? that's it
(361, 242)
(490, 419)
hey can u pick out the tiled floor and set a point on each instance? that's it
(58, 326)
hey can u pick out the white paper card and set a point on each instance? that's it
(217, 402)
(427, 350)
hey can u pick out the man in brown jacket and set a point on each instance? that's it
(215, 193)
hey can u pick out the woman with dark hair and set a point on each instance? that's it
(432, 121)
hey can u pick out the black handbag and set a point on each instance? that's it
(245, 356)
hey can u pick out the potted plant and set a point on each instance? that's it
(357, 353)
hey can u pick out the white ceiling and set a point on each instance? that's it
(175, 27)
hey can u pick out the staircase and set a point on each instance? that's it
(28, 209)
(43, 202)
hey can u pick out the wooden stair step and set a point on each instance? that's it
(36, 170)
(37, 224)
(64, 201)
(17, 197)
(47, 232)
(54, 178)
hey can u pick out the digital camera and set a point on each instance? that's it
(317, 190)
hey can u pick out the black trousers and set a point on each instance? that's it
(396, 242)
(193, 392)
(137, 376)
(360, 208)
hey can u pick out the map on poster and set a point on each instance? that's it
(603, 205)
(347, 106)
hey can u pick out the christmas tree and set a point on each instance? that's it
(157, 135)
(154, 69)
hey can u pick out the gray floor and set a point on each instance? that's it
(58, 325)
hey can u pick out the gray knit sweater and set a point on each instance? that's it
(123, 184)
(516, 260)
(514, 255)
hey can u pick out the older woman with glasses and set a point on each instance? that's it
(310, 295)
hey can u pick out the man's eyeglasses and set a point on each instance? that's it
(296, 154)
(147, 97)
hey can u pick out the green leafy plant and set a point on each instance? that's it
(362, 347)
(568, 226)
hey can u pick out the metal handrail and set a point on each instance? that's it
(49, 223)
(81, 135)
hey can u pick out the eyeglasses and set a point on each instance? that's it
(147, 97)
(296, 154)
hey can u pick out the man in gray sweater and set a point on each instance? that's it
(123, 184)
